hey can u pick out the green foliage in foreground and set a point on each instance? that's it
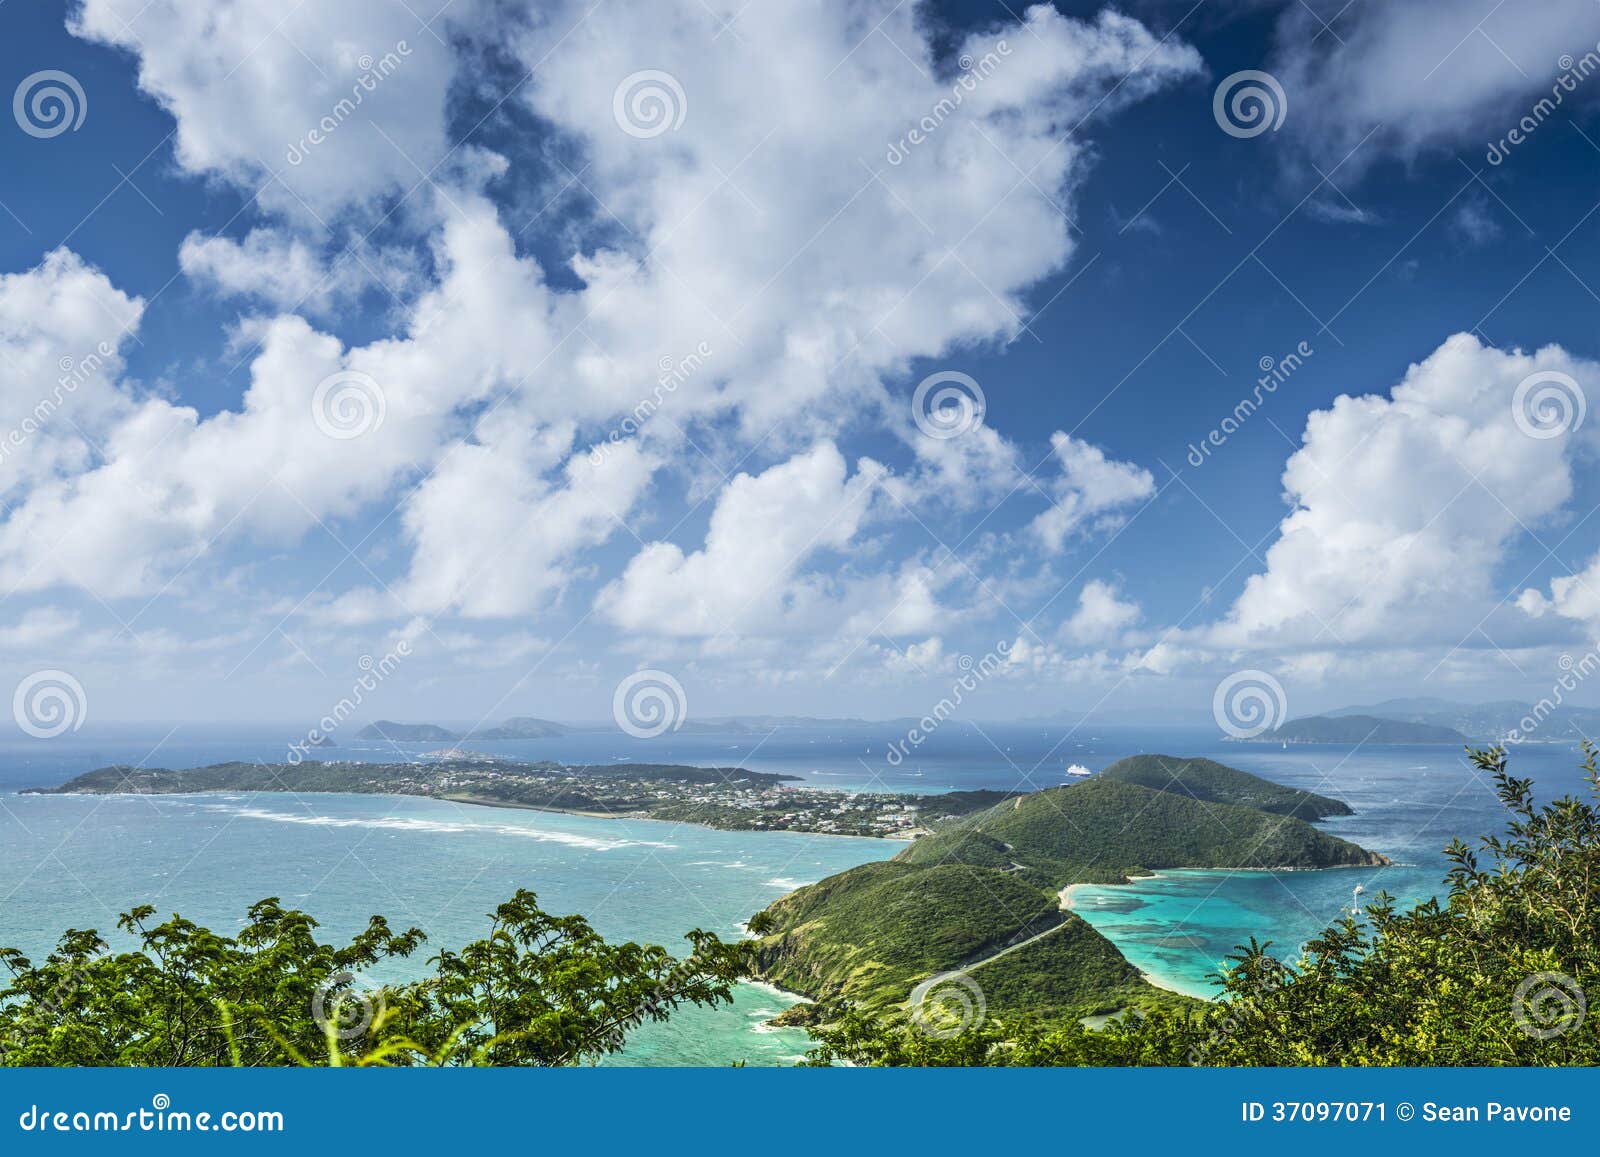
(1497, 974)
(536, 990)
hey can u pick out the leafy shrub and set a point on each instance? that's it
(536, 990)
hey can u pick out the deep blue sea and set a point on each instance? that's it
(78, 861)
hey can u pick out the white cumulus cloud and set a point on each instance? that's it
(1092, 492)
(751, 574)
(1405, 504)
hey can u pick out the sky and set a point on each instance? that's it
(815, 358)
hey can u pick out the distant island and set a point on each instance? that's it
(1416, 720)
(407, 732)
(530, 727)
(1427, 720)
(519, 727)
(524, 727)
(989, 894)
(1359, 729)
(729, 798)
(1547, 721)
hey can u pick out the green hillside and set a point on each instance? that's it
(1104, 830)
(1491, 975)
(1072, 972)
(980, 894)
(1207, 779)
(872, 932)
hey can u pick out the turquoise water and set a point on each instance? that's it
(79, 861)
(1178, 926)
(1409, 801)
(68, 861)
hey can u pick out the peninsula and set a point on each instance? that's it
(730, 798)
(985, 894)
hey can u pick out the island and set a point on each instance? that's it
(1359, 729)
(1550, 720)
(389, 731)
(523, 727)
(987, 895)
(730, 798)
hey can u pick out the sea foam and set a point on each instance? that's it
(443, 827)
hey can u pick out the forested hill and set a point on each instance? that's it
(1206, 779)
(1103, 830)
(1360, 729)
(980, 893)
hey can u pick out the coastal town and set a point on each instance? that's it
(730, 798)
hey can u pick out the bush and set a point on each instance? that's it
(537, 990)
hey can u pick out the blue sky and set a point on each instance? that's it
(375, 367)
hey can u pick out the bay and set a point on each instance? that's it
(78, 861)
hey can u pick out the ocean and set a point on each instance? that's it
(79, 861)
